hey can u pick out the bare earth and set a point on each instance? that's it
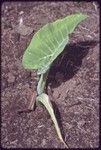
(73, 82)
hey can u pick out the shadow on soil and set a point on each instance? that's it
(68, 62)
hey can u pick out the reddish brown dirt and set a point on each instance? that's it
(73, 78)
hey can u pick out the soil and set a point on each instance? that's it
(73, 81)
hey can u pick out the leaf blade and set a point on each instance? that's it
(49, 42)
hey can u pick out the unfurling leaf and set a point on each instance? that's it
(44, 99)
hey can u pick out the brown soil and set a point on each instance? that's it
(73, 78)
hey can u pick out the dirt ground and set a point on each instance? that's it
(73, 78)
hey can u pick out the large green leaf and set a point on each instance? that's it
(49, 42)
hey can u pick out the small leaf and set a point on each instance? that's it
(44, 99)
(49, 42)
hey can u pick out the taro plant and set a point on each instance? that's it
(43, 49)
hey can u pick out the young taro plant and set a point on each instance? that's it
(43, 49)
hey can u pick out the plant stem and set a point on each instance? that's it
(42, 83)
